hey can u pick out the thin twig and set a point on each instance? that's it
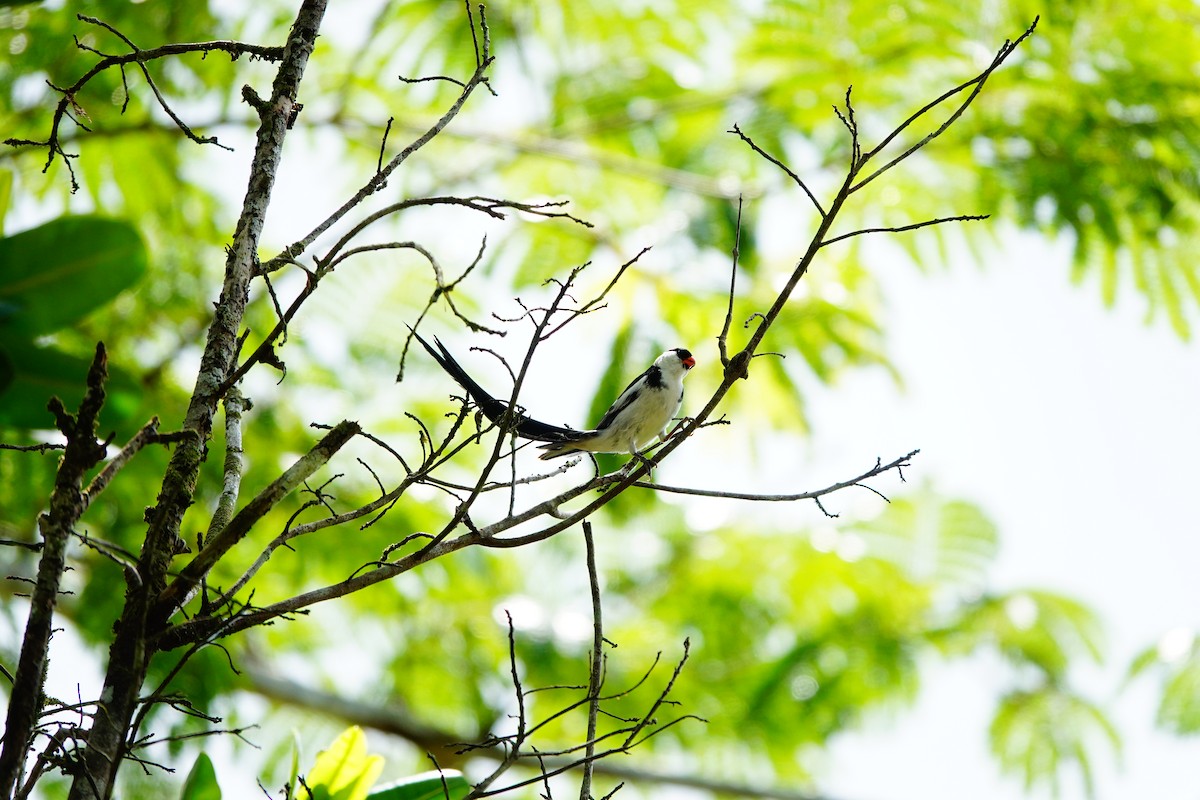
(878, 469)
(42, 448)
(786, 169)
(975, 84)
(735, 254)
(54, 141)
(903, 228)
(595, 678)
(379, 179)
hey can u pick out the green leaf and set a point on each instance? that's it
(445, 785)
(934, 539)
(35, 374)
(1179, 710)
(1034, 734)
(344, 771)
(1177, 658)
(1034, 627)
(294, 770)
(201, 783)
(56, 274)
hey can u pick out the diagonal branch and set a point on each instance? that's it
(148, 434)
(190, 576)
(132, 646)
(784, 167)
(974, 84)
(379, 180)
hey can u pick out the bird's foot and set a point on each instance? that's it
(637, 460)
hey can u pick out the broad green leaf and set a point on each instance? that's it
(201, 783)
(445, 785)
(38, 373)
(56, 274)
(344, 771)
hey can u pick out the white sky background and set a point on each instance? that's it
(1076, 429)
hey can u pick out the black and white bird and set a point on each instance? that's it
(639, 414)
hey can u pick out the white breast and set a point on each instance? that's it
(630, 431)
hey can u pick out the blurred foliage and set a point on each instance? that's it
(1036, 732)
(1176, 659)
(1090, 133)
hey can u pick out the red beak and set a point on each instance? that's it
(689, 362)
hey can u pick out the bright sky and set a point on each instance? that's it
(1076, 429)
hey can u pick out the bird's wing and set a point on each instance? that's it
(493, 408)
(638, 385)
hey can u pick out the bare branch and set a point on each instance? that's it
(54, 141)
(903, 228)
(596, 675)
(189, 578)
(491, 206)
(42, 448)
(235, 405)
(148, 434)
(786, 169)
(162, 102)
(851, 126)
(595, 302)
(878, 469)
(648, 717)
(393, 719)
(735, 253)
(379, 179)
(974, 84)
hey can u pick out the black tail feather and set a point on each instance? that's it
(557, 450)
(493, 408)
